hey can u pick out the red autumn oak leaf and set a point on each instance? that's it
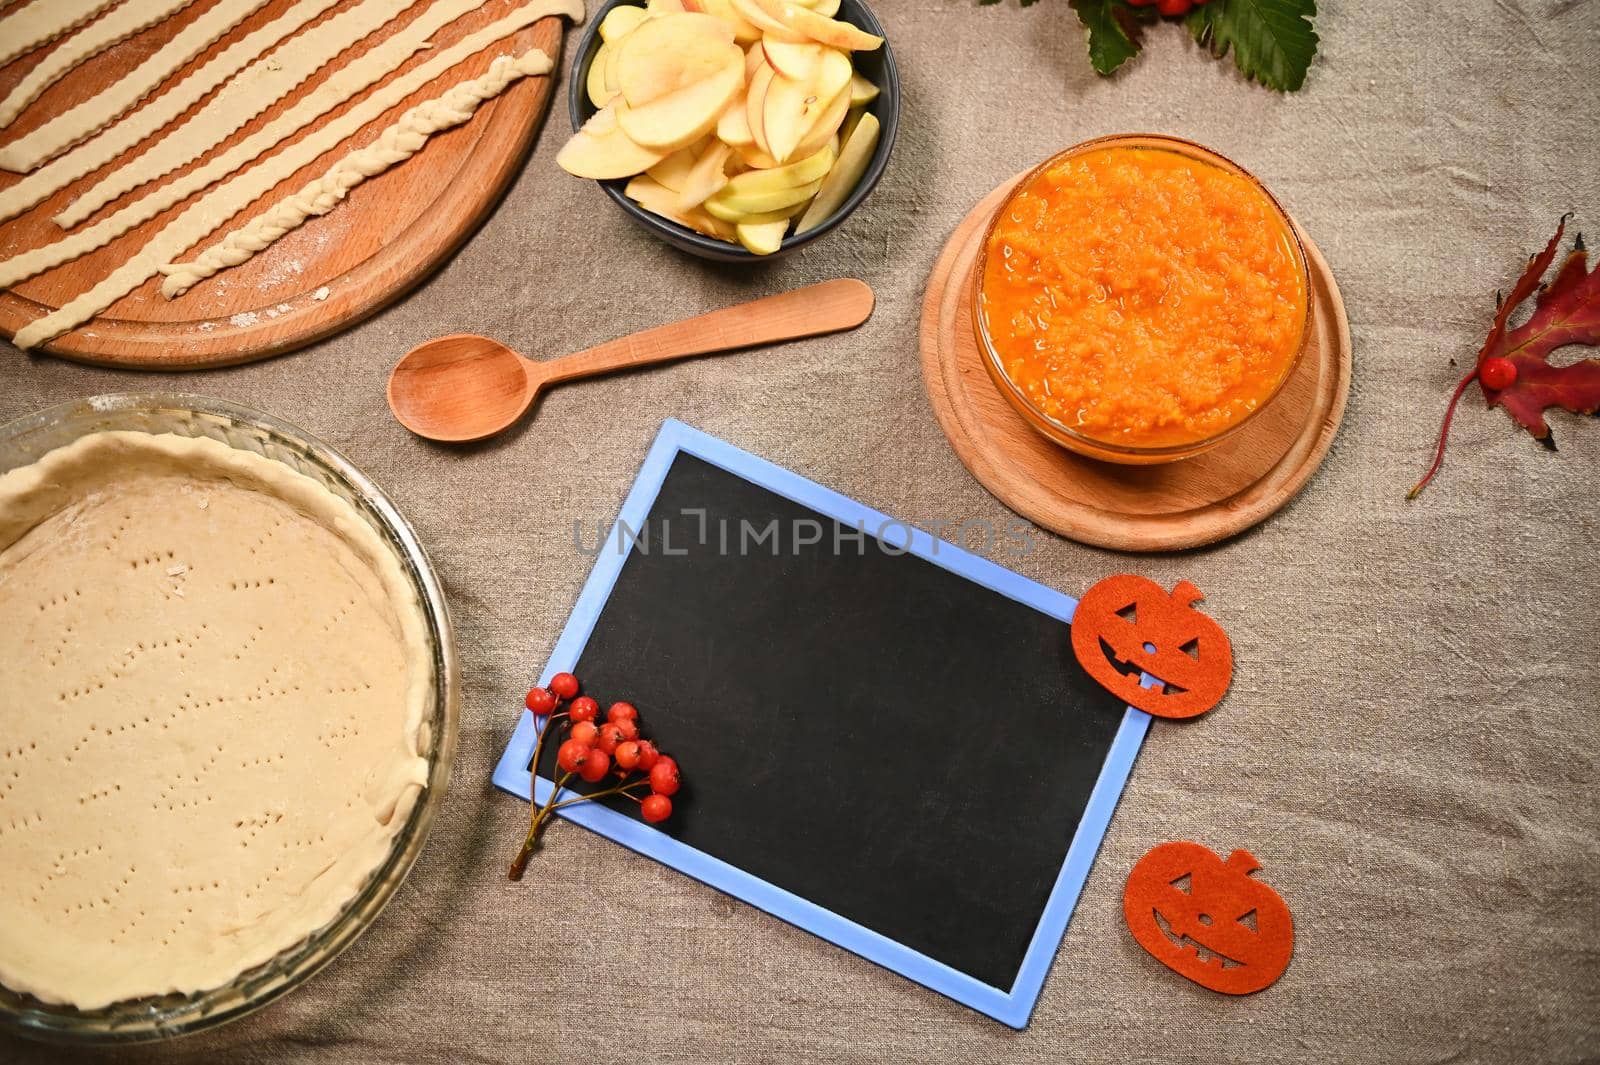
(1566, 311)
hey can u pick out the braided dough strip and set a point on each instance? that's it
(102, 109)
(394, 145)
(208, 213)
(119, 25)
(345, 83)
(43, 21)
(266, 82)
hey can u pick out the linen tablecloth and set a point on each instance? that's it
(1409, 745)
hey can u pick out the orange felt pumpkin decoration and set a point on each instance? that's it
(1209, 919)
(1133, 621)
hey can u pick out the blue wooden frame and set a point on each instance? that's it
(1013, 1005)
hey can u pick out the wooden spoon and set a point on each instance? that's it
(465, 387)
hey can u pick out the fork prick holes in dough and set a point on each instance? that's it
(220, 753)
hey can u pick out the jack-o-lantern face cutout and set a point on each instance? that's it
(1127, 625)
(1209, 919)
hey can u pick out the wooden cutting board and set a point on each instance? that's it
(1168, 507)
(334, 271)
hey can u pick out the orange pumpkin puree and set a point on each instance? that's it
(1141, 297)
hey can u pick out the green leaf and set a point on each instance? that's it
(1110, 46)
(1272, 40)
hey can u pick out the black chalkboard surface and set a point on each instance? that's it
(859, 726)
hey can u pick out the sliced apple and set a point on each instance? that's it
(670, 53)
(731, 206)
(830, 31)
(733, 128)
(862, 91)
(599, 94)
(851, 120)
(740, 119)
(602, 151)
(609, 74)
(621, 21)
(754, 158)
(797, 61)
(764, 238)
(703, 222)
(785, 116)
(743, 31)
(845, 175)
(673, 171)
(780, 215)
(680, 118)
(755, 101)
(826, 126)
(834, 71)
(811, 26)
(658, 199)
(792, 109)
(770, 26)
(804, 172)
(705, 178)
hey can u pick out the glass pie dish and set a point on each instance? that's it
(158, 1017)
(1286, 252)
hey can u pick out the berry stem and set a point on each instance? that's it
(536, 828)
(620, 789)
(538, 744)
(536, 818)
(1444, 433)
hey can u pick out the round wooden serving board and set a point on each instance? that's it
(1127, 508)
(335, 270)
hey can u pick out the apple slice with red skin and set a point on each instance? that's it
(772, 27)
(797, 61)
(828, 122)
(808, 25)
(792, 109)
(755, 106)
(743, 30)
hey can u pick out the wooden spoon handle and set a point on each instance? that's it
(804, 312)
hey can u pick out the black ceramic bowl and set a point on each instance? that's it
(877, 66)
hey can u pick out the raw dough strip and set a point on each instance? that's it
(376, 64)
(99, 110)
(127, 20)
(266, 82)
(43, 21)
(394, 145)
(208, 213)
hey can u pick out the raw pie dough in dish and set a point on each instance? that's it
(213, 681)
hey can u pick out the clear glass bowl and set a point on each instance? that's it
(1082, 443)
(159, 1017)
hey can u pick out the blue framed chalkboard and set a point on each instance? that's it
(1035, 732)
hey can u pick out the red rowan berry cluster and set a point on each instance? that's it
(591, 749)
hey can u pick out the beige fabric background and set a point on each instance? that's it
(1410, 743)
